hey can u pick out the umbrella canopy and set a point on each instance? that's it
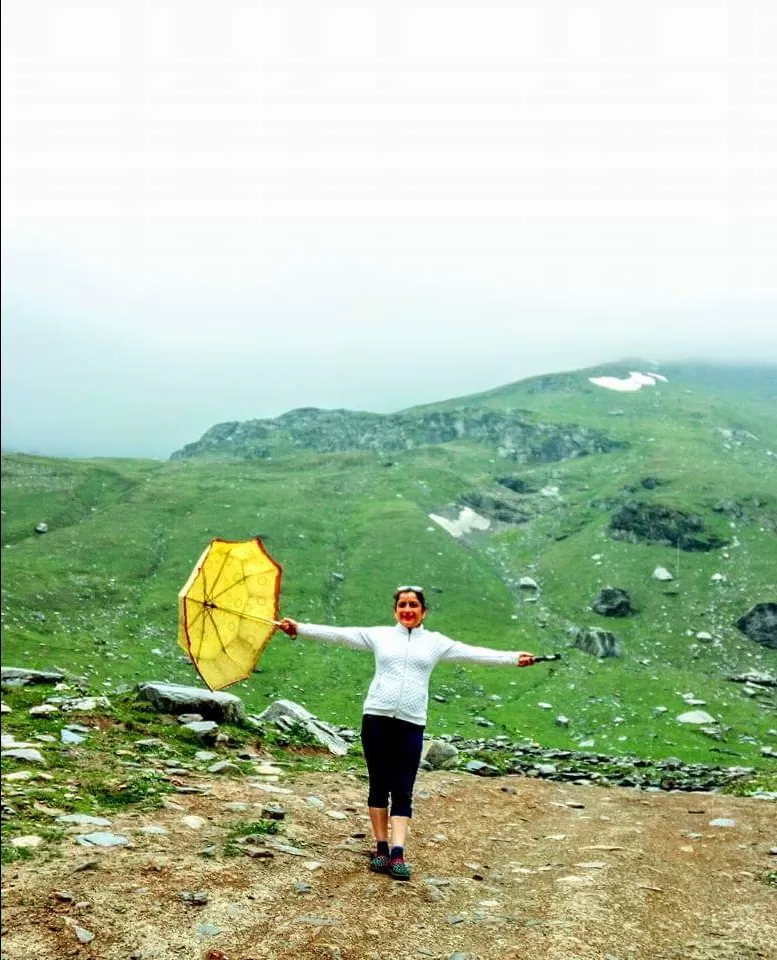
(228, 610)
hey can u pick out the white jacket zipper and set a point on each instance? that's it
(404, 673)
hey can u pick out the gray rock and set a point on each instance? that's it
(695, 716)
(43, 710)
(70, 738)
(197, 899)
(84, 704)
(760, 624)
(756, 678)
(175, 699)
(204, 730)
(286, 714)
(438, 753)
(613, 602)
(599, 643)
(21, 753)
(481, 769)
(224, 766)
(101, 840)
(84, 935)
(21, 677)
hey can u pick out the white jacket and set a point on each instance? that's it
(404, 660)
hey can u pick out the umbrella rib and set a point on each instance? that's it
(215, 579)
(203, 605)
(230, 586)
(209, 605)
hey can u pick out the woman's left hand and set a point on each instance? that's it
(525, 659)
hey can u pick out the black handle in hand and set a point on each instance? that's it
(547, 656)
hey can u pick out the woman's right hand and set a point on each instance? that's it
(288, 626)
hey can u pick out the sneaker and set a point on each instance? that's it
(380, 863)
(398, 869)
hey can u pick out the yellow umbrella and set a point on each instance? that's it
(228, 609)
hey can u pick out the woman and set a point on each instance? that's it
(395, 709)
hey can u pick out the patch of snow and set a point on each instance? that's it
(467, 521)
(635, 381)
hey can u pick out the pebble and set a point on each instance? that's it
(84, 935)
(197, 899)
(193, 822)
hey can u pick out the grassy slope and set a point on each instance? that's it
(97, 593)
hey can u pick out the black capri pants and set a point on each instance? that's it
(392, 749)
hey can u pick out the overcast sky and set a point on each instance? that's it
(221, 211)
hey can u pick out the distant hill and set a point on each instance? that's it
(566, 480)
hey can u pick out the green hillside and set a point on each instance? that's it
(342, 500)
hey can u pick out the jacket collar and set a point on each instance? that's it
(406, 633)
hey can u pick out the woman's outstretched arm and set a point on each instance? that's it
(358, 638)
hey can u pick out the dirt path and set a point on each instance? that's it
(503, 868)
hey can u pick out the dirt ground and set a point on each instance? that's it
(502, 868)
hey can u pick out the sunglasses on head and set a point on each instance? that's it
(413, 587)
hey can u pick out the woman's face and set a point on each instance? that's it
(408, 610)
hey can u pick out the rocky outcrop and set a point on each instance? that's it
(638, 521)
(760, 624)
(330, 431)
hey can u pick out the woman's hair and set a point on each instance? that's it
(418, 591)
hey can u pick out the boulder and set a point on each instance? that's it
(599, 643)
(760, 624)
(696, 717)
(613, 602)
(21, 677)
(286, 714)
(661, 573)
(175, 699)
(438, 754)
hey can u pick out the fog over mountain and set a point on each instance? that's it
(225, 213)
